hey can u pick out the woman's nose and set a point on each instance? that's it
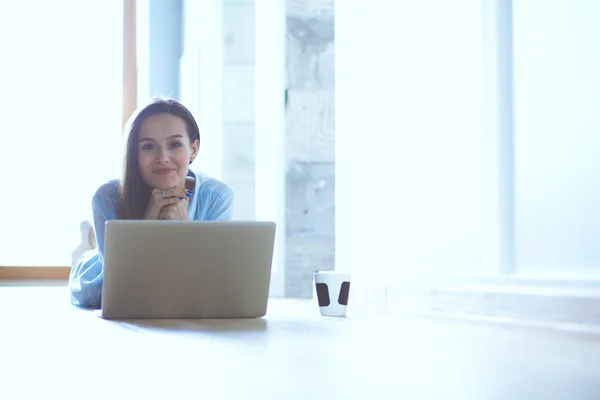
(162, 156)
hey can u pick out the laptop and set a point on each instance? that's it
(186, 269)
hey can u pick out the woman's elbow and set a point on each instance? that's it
(85, 282)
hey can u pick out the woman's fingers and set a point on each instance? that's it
(176, 210)
(171, 201)
(171, 193)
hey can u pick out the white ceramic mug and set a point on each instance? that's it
(333, 289)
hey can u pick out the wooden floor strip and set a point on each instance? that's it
(34, 273)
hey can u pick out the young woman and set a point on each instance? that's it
(156, 183)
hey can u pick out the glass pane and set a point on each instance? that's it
(557, 133)
(61, 117)
(409, 143)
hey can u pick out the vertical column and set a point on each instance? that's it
(159, 29)
(201, 74)
(143, 50)
(270, 37)
(165, 18)
(129, 59)
(498, 133)
(310, 145)
(238, 104)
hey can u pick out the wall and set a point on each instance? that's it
(310, 155)
(309, 133)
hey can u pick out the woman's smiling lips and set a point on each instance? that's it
(163, 171)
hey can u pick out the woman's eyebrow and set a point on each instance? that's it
(152, 140)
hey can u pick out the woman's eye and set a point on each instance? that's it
(147, 146)
(175, 144)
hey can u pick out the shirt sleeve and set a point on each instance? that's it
(221, 204)
(99, 227)
(85, 279)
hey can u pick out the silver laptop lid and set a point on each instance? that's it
(187, 269)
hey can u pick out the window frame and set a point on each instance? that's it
(499, 99)
(498, 129)
(61, 273)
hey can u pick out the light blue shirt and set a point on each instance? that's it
(211, 200)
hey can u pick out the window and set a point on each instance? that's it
(61, 135)
(409, 144)
(557, 136)
(471, 179)
(466, 148)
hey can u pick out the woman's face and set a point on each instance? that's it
(165, 151)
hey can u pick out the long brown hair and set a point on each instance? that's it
(134, 192)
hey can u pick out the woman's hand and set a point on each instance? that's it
(171, 197)
(176, 211)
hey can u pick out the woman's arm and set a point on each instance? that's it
(85, 280)
(99, 226)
